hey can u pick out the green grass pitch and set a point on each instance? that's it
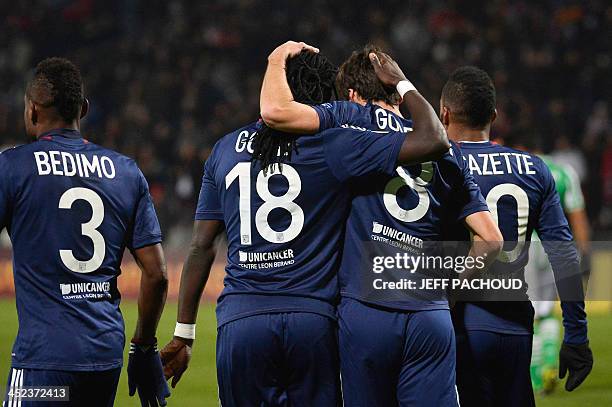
(198, 386)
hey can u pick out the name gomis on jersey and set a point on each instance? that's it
(500, 163)
(68, 164)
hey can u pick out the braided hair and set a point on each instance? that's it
(311, 79)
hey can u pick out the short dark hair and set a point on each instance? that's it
(470, 94)
(357, 73)
(57, 83)
(311, 79)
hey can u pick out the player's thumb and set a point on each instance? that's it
(175, 379)
(375, 61)
(178, 373)
(131, 381)
(562, 368)
(131, 386)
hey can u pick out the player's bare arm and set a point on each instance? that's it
(177, 353)
(428, 140)
(144, 365)
(153, 289)
(487, 240)
(278, 109)
(579, 223)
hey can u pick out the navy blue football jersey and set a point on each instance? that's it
(71, 208)
(398, 213)
(285, 226)
(520, 191)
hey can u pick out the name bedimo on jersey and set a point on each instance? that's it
(69, 165)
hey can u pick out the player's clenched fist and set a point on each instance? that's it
(175, 358)
(288, 50)
(145, 375)
(578, 361)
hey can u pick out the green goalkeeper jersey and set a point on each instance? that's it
(568, 185)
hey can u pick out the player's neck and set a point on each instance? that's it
(458, 133)
(387, 106)
(46, 127)
(354, 97)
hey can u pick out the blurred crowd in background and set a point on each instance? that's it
(166, 79)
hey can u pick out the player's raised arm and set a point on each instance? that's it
(278, 108)
(352, 153)
(428, 140)
(177, 353)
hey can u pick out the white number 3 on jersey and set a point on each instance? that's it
(88, 229)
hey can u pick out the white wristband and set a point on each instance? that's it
(186, 331)
(404, 87)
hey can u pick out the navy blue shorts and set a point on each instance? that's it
(391, 358)
(91, 389)
(493, 369)
(284, 359)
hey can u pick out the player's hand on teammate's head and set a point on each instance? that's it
(288, 50)
(145, 375)
(578, 360)
(175, 357)
(387, 70)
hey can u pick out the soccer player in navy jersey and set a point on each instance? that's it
(284, 214)
(71, 208)
(494, 338)
(392, 346)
